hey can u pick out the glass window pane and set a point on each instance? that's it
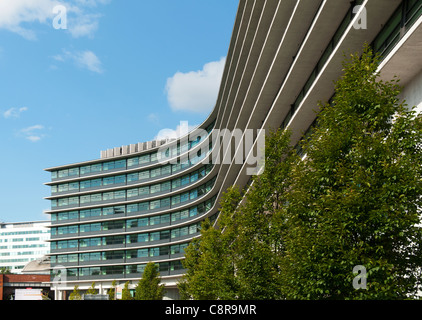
(133, 193)
(132, 162)
(155, 204)
(144, 175)
(133, 177)
(132, 208)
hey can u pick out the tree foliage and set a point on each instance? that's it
(305, 223)
(75, 295)
(148, 287)
(112, 291)
(356, 196)
(92, 290)
(126, 292)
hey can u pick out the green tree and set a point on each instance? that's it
(246, 241)
(356, 196)
(148, 287)
(92, 289)
(75, 295)
(112, 291)
(305, 223)
(5, 270)
(126, 292)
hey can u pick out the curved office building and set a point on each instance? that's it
(145, 202)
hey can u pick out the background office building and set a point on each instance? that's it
(23, 242)
(112, 215)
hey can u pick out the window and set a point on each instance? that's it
(193, 194)
(154, 236)
(165, 202)
(155, 172)
(108, 166)
(165, 235)
(184, 214)
(132, 162)
(73, 172)
(96, 183)
(108, 196)
(175, 233)
(85, 184)
(193, 229)
(63, 173)
(144, 206)
(194, 177)
(63, 202)
(108, 181)
(154, 204)
(175, 200)
(193, 212)
(132, 193)
(143, 237)
(154, 220)
(136, 223)
(176, 183)
(133, 177)
(165, 218)
(74, 186)
(156, 188)
(143, 190)
(166, 170)
(109, 210)
(184, 231)
(96, 197)
(132, 208)
(74, 201)
(185, 180)
(184, 197)
(165, 186)
(96, 168)
(95, 212)
(176, 167)
(144, 175)
(175, 216)
(120, 164)
(63, 187)
(85, 170)
(154, 252)
(144, 159)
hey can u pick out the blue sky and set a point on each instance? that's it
(119, 73)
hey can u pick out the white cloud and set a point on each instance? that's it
(88, 60)
(33, 133)
(15, 12)
(195, 91)
(84, 25)
(83, 59)
(18, 15)
(14, 112)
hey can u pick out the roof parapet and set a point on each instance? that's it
(133, 148)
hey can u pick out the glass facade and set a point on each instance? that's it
(110, 217)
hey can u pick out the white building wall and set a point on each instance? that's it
(21, 243)
(412, 92)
